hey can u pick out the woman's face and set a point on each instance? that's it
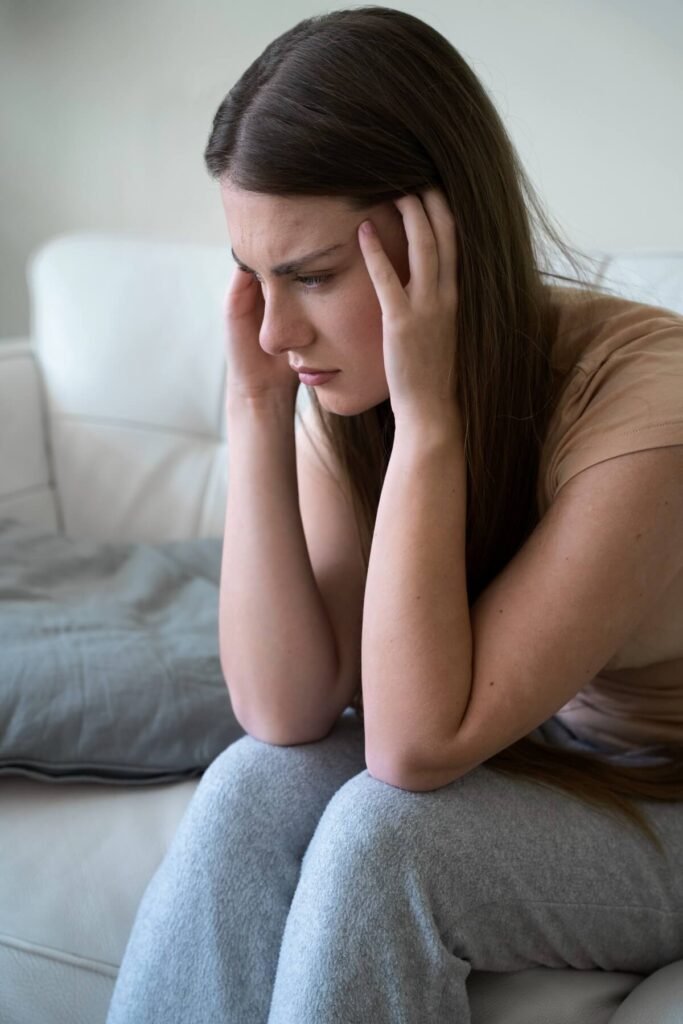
(334, 323)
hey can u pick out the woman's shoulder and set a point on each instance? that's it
(595, 304)
(622, 387)
(591, 324)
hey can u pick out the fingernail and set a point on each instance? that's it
(367, 227)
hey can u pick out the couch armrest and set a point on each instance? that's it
(26, 486)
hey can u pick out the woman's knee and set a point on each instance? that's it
(246, 782)
(338, 756)
(365, 822)
(246, 762)
(371, 822)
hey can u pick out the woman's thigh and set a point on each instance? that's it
(515, 873)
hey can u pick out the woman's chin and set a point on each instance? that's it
(348, 401)
(348, 405)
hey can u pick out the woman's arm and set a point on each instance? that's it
(277, 646)
(417, 640)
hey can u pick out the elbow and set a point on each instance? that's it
(267, 729)
(413, 779)
(392, 775)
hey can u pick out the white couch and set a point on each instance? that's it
(112, 427)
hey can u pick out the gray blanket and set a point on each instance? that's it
(109, 662)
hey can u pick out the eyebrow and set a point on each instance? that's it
(282, 269)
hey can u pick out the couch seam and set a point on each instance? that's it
(10, 495)
(59, 956)
(126, 424)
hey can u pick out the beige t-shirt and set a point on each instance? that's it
(623, 361)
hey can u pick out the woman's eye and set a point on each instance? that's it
(314, 280)
(309, 282)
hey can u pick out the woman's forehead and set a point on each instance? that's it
(274, 229)
(284, 207)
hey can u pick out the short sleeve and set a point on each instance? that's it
(625, 394)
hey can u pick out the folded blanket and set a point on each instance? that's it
(109, 660)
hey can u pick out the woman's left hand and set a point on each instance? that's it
(418, 321)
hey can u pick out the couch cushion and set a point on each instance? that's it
(109, 660)
(658, 999)
(74, 863)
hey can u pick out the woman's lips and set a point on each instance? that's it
(314, 379)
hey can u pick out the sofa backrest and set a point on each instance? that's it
(128, 338)
(128, 342)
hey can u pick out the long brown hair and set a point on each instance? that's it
(371, 103)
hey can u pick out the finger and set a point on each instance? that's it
(423, 253)
(390, 292)
(240, 295)
(443, 226)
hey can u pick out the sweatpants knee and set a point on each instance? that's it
(243, 755)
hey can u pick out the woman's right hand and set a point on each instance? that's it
(251, 372)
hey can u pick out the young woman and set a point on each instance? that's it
(451, 604)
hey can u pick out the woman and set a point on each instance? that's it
(506, 791)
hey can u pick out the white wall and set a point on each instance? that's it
(106, 106)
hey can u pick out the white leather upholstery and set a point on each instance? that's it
(128, 335)
(112, 426)
(26, 489)
(658, 999)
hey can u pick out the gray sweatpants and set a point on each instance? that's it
(298, 889)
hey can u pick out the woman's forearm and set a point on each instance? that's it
(417, 638)
(277, 646)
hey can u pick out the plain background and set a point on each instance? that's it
(106, 107)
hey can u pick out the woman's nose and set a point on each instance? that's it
(282, 328)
